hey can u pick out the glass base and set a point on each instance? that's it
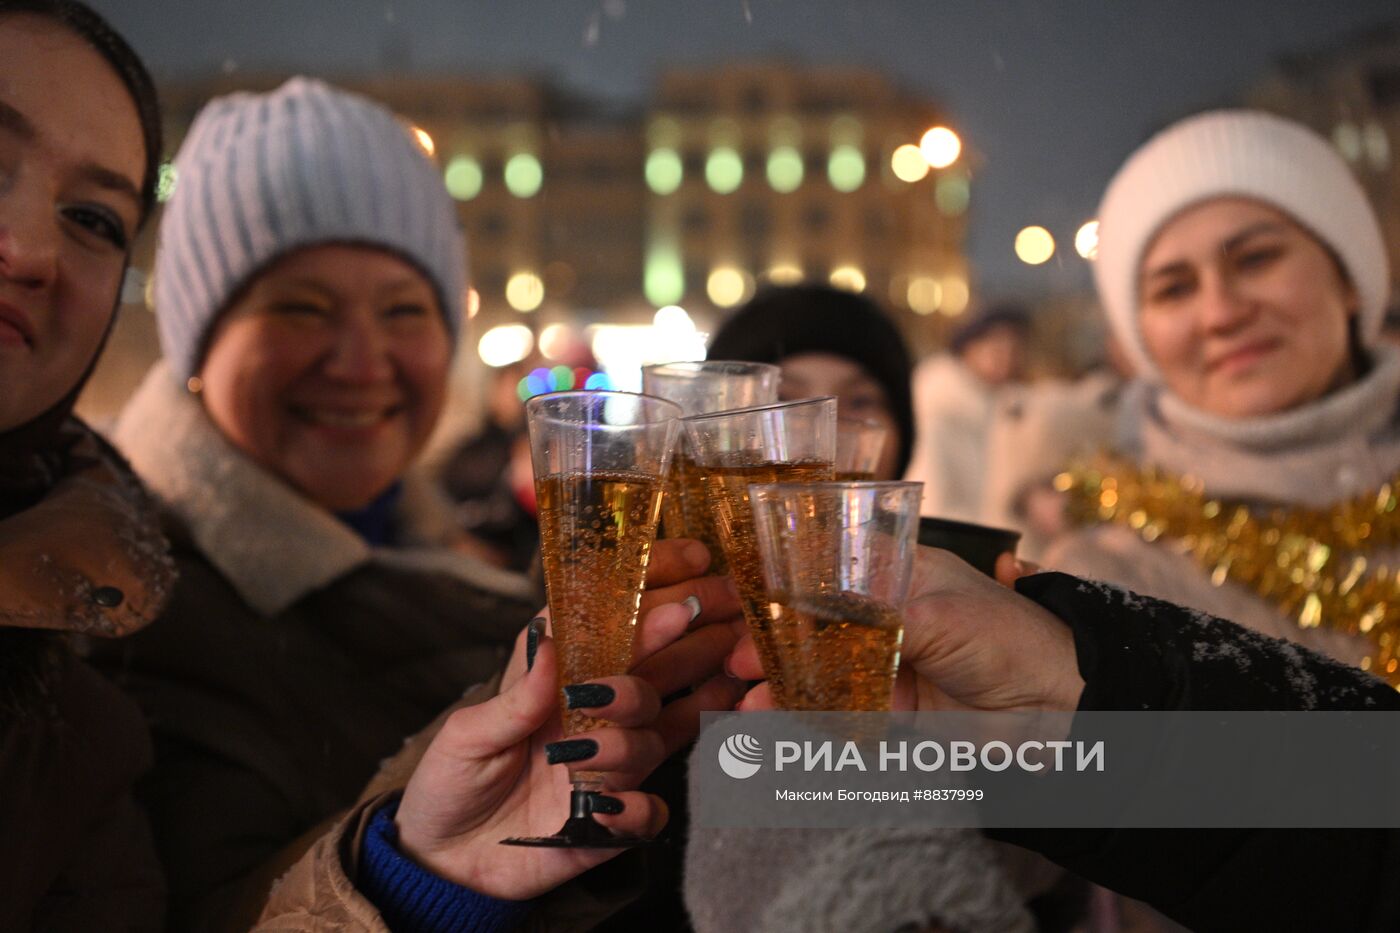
(580, 831)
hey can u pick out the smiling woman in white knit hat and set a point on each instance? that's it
(1242, 267)
(309, 283)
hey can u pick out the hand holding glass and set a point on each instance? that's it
(599, 460)
(837, 560)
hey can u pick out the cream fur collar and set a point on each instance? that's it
(1363, 407)
(271, 543)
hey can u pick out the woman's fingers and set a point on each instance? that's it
(717, 598)
(692, 660)
(674, 560)
(679, 722)
(659, 627)
(623, 700)
(1009, 569)
(525, 643)
(743, 661)
(642, 814)
(759, 698)
(508, 718)
(615, 750)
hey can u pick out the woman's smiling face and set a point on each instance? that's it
(330, 370)
(1244, 312)
(72, 158)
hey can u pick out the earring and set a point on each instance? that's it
(195, 385)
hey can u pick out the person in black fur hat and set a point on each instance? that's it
(830, 342)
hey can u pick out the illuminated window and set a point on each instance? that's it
(663, 280)
(952, 194)
(785, 169)
(846, 168)
(524, 175)
(724, 170)
(664, 171)
(463, 178)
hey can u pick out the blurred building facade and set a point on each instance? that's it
(727, 178)
(1350, 93)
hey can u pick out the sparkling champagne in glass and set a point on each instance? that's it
(599, 460)
(837, 559)
(700, 388)
(783, 442)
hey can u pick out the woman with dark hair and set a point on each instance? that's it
(80, 551)
(830, 342)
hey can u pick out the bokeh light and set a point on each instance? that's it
(850, 278)
(724, 170)
(424, 140)
(924, 294)
(664, 171)
(663, 280)
(940, 147)
(524, 291)
(1034, 245)
(955, 295)
(785, 273)
(463, 178)
(785, 169)
(952, 194)
(555, 340)
(727, 286)
(524, 175)
(845, 168)
(908, 164)
(1086, 240)
(672, 318)
(506, 344)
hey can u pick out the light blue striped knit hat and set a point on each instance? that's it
(260, 175)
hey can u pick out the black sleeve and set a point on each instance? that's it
(1141, 653)
(1136, 652)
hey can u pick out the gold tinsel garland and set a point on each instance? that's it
(1311, 563)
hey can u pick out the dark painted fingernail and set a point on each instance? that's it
(587, 696)
(693, 604)
(559, 753)
(108, 596)
(532, 641)
(602, 803)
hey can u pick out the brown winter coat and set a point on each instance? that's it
(292, 660)
(75, 851)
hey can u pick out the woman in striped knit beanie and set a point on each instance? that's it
(309, 292)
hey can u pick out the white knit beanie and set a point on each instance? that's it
(260, 175)
(1244, 153)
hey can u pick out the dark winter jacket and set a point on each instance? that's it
(293, 658)
(1140, 653)
(85, 559)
